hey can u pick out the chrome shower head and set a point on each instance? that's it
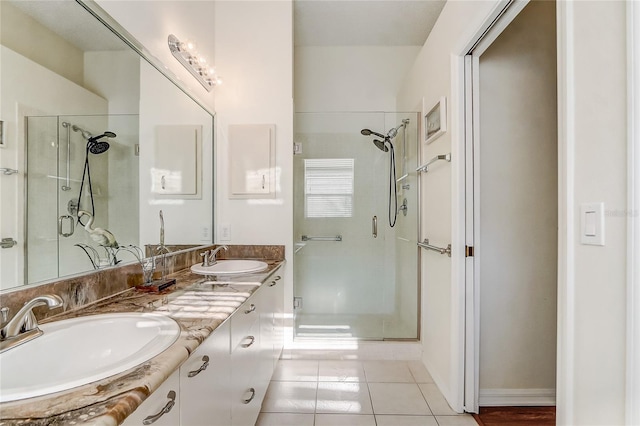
(96, 146)
(382, 146)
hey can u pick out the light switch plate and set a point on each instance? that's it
(224, 232)
(592, 224)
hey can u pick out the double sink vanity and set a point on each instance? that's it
(200, 352)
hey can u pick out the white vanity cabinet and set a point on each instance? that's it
(204, 382)
(161, 408)
(271, 326)
(246, 392)
(225, 379)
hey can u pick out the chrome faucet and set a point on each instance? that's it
(212, 256)
(24, 326)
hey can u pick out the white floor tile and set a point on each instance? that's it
(398, 398)
(343, 398)
(399, 420)
(460, 420)
(387, 372)
(296, 371)
(341, 371)
(345, 420)
(285, 419)
(419, 372)
(436, 401)
(290, 397)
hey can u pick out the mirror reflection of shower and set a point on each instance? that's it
(385, 144)
(95, 145)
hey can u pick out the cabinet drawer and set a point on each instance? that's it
(243, 320)
(162, 406)
(247, 391)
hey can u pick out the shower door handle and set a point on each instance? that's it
(374, 226)
(71, 222)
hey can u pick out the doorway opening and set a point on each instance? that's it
(512, 210)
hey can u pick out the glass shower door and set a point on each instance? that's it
(55, 164)
(344, 263)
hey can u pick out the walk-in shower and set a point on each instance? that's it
(355, 278)
(71, 170)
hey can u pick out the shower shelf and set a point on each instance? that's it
(425, 167)
(425, 245)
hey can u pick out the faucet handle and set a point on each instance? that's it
(4, 315)
(205, 258)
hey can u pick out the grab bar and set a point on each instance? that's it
(425, 167)
(336, 238)
(425, 244)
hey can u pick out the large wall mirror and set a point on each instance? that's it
(93, 137)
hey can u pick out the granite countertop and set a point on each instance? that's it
(197, 305)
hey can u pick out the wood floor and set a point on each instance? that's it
(516, 416)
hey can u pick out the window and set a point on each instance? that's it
(328, 187)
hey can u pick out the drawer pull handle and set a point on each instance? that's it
(253, 395)
(252, 308)
(251, 342)
(172, 401)
(205, 364)
(278, 278)
(274, 282)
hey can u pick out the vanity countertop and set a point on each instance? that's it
(197, 305)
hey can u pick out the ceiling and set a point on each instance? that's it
(364, 22)
(316, 22)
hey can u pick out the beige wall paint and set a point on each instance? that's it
(23, 34)
(518, 207)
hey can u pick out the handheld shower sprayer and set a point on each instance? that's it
(384, 144)
(96, 146)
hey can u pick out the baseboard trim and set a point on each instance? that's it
(517, 397)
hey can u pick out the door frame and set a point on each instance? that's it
(468, 190)
(633, 212)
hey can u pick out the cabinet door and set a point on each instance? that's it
(278, 318)
(162, 407)
(204, 382)
(251, 160)
(246, 394)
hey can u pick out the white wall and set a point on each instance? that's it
(430, 78)
(518, 209)
(186, 220)
(591, 380)
(151, 22)
(350, 78)
(591, 299)
(254, 53)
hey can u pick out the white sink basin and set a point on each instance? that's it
(82, 350)
(230, 267)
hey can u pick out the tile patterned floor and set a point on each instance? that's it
(356, 393)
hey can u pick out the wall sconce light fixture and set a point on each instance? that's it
(186, 54)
